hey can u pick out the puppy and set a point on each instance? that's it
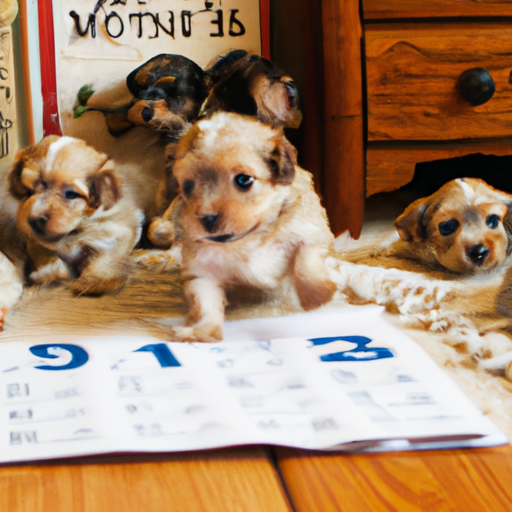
(248, 84)
(12, 252)
(80, 214)
(241, 83)
(164, 94)
(246, 215)
(461, 228)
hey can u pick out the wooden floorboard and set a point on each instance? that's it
(472, 480)
(231, 480)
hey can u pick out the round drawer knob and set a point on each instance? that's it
(476, 85)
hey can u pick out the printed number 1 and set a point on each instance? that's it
(162, 353)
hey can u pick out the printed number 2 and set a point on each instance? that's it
(361, 352)
(78, 356)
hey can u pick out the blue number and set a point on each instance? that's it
(163, 354)
(78, 356)
(360, 353)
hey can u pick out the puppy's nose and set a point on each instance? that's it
(209, 222)
(477, 253)
(38, 224)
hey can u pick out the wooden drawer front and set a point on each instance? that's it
(386, 9)
(412, 72)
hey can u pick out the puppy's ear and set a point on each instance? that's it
(412, 223)
(15, 179)
(223, 65)
(104, 188)
(282, 162)
(275, 94)
(507, 224)
(16, 188)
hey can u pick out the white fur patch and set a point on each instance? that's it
(54, 148)
(11, 285)
(105, 244)
(56, 266)
(82, 187)
(211, 127)
(467, 189)
(139, 214)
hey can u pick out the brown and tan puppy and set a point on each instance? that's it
(80, 214)
(246, 215)
(249, 84)
(461, 228)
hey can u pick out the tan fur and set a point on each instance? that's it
(80, 212)
(272, 233)
(479, 241)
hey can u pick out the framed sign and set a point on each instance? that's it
(101, 41)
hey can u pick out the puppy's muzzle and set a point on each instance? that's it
(209, 222)
(478, 253)
(38, 224)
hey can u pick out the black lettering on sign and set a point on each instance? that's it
(91, 24)
(234, 22)
(108, 25)
(186, 23)
(115, 26)
(218, 22)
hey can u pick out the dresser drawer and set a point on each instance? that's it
(386, 9)
(412, 72)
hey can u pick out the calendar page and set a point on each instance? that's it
(333, 379)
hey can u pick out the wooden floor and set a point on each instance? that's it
(251, 479)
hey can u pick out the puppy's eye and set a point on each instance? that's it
(30, 193)
(188, 187)
(448, 227)
(244, 181)
(492, 221)
(71, 194)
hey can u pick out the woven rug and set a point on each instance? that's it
(154, 296)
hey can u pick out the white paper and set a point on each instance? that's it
(268, 383)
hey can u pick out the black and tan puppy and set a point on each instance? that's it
(80, 212)
(246, 215)
(251, 85)
(164, 94)
(462, 228)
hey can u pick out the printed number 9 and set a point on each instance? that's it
(78, 356)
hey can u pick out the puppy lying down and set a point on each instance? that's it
(246, 215)
(461, 227)
(442, 270)
(81, 214)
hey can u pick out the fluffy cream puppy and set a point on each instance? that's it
(246, 215)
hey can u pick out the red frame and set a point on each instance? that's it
(51, 123)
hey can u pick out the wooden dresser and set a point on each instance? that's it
(394, 83)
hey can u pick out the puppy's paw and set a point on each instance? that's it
(158, 260)
(209, 333)
(313, 294)
(92, 285)
(161, 233)
(53, 272)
